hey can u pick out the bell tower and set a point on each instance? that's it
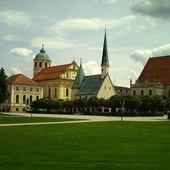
(41, 61)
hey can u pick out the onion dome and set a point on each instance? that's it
(42, 55)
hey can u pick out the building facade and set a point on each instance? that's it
(22, 92)
(55, 80)
(154, 78)
(95, 85)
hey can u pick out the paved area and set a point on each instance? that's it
(84, 118)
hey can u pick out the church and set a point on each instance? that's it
(99, 85)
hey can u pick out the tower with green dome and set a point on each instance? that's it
(41, 61)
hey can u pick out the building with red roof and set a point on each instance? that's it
(154, 78)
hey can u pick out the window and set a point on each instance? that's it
(24, 88)
(37, 89)
(24, 99)
(37, 97)
(35, 64)
(67, 92)
(67, 74)
(31, 88)
(49, 93)
(45, 64)
(55, 92)
(134, 92)
(17, 88)
(40, 64)
(17, 99)
(30, 98)
(150, 92)
(142, 92)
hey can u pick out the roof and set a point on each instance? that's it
(42, 55)
(79, 78)
(90, 85)
(50, 73)
(105, 60)
(21, 79)
(157, 69)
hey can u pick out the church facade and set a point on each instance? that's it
(99, 85)
(55, 80)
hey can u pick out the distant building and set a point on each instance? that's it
(99, 85)
(23, 91)
(56, 80)
(154, 79)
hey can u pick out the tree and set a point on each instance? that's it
(4, 93)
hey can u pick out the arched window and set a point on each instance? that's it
(49, 93)
(37, 97)
(24, 99)
(40, 64)
(45, 64)
(35, 64)
(67, 92)
(17, 98)
(55, 92)
(30, 98)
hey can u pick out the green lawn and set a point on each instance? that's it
(100, 145)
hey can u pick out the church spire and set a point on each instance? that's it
(105, 59)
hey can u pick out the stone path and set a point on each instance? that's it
(83, 117)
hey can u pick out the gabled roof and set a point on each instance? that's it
(79, 78)
(21, 79)
(51, 73)
(157, 69)
(90, 85)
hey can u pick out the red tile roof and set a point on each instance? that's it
(51, 73)
(157, 69)
(21, 79)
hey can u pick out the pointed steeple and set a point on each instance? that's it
(79, 78)
(105, 59)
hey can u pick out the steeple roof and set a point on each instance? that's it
(79, 78)
(105, 60)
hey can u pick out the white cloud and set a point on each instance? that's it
(21, 52)
(143, 55)
(15, 19)
(91, 68)
(14, 70)
(110, 1)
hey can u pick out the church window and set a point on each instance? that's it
(40, 64)
(55, 92)
(35, 64)
(17, 98)
(67, 92)
(45, 64)
(37, 97)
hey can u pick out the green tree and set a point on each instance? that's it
(4, 93)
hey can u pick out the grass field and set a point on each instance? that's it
(100, 145)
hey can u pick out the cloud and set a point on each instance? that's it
(143, 55)
(153, 8)
(91, 68)
(110, 1)
(21, 52)
(15, 19)
(14, 70)
(89, 23)
(10, 38)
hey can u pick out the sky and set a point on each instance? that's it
(74, 29)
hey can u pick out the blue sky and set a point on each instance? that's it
(136, 30)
